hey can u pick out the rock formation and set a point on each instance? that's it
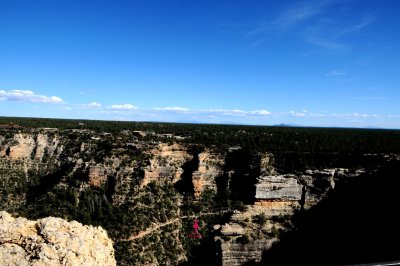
(95, 175)
(266, 164)
(210, 167)
(276, 196)
(282, 188)
(238, 254)
(166, 163)
(232, 229)
(52, 241)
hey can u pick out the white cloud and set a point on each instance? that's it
(289, 18)
(310, 21)
(326, 42)
(393, 116)
(234, 112)
(357, 26)
(260, 112)
(123, 107)
(92, 105)
(213, 113)
(174, 108)
(364, 115)
(335, 73)
(296, 114)
(238, 112)
(327, 34)
(27, 96)
(300, 13)
(343, 115)
(87, 91)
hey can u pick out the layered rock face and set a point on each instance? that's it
(30, 146)
(277, 196)
(94, 173)
(210, 167)
(43, 152)
(102, 172)
(21, 153)
(238, 254)
(281, 188)
(243, 240)
(52, 241)
(166, 163)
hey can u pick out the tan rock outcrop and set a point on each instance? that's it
(97, 176)
(52, 241)
(210, 167)
(232, 229)
(276, 208)
(46, 144)
(166, 163)
(25, 144)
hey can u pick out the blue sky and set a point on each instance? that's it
(312, 63)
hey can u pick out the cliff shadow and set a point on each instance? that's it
(203, 254)
(357, 223)
(39, 185)
(185, 184)
(245, 168)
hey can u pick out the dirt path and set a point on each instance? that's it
(152, 229)
(158, 226)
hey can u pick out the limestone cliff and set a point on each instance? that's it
(94, 176)
(25, 146)
(277, 197)
(210, 167)
(278, 188)
(166, 163)
(52, 241)
(238, 254)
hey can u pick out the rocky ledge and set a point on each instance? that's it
(283, 187)
(52, 241)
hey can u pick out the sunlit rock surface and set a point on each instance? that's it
(52, 241)
(282, 187)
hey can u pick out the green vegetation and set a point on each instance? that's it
(61, 187)
(294, 148)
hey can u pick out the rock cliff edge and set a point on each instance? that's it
(52, 241)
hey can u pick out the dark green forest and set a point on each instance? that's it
(294, 148)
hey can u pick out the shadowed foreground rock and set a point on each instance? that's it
(52, 241)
